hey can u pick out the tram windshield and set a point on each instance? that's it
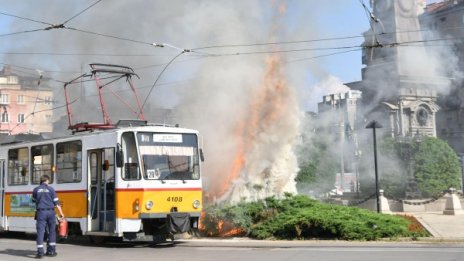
(169, 156)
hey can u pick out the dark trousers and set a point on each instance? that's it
(46, 221)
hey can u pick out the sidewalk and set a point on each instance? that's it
(446, 227)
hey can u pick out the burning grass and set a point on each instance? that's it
(299, 217)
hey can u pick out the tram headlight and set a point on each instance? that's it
(149, 205)
(196, 203)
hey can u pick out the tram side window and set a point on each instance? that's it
(69, 162)
(42, 161)
(18, 166)
(131, 169)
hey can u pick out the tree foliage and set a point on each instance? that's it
(436, 167)
(319, 167)
(430, 162)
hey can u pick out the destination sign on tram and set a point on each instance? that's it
(170, 138)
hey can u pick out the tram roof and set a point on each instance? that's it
(18, 138)
(22, 138)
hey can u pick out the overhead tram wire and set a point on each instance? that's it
(45, 110)
(369, 14)
(85, 54)
(212, 54)
(81, 12)
(37, 96)
(371, 17)
(109, 36)
(62, 26)
(33, 69)
(285, 51)
(159, 76)
(324, 55)
(50, 25)
(22, 32)
(25, 18)
(278, 43)
(196, 50)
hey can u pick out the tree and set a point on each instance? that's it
(394, 159)
(391, 164)
(430, 162)
(436, 167)
(318, 168)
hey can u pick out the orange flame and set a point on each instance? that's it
(219, 228)
(266, 109)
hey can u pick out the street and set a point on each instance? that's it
(21, 247)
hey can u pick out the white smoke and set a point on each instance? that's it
(329, 85)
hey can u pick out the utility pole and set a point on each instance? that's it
(375, 125)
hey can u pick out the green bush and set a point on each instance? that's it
(437, 167)
(299, 217)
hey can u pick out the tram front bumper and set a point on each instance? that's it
(176, 222)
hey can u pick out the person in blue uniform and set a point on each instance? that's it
(46, 200)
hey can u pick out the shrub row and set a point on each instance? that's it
(300, 217)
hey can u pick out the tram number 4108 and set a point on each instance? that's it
(174, 199)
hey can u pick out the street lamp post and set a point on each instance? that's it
(375, 125)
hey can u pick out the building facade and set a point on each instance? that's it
(340, 111)
(399, 90)
(445, 20)
(25, 104)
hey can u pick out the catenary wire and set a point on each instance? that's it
(81, 12)
(25, 18)
(159, 76)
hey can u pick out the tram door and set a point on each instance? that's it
(2, 193)
(101, 166)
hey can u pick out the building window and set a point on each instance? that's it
(5, 117)
(20, 99)
(21, 118)
(4, 99)
(48, 100)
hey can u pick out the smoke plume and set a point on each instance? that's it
(245, 106)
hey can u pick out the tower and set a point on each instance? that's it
(399, 79)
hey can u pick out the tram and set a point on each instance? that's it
(130, 180)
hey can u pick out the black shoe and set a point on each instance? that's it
(51, 254)
(38, 256)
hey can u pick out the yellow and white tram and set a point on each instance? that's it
(130, 181)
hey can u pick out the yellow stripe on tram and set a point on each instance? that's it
(133, 202)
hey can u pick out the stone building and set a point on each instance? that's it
(340, 111)
(399, 89)
(445, 20)
(345, 105)
(25, 106)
